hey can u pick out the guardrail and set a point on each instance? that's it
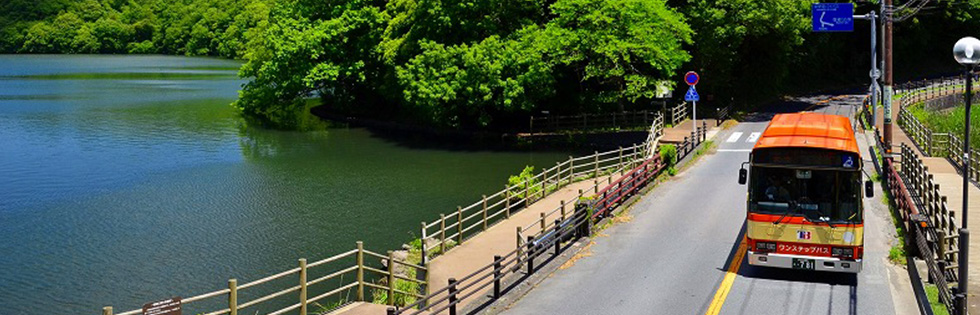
(330, 268)
(930, 202)
(929, 224)
(551, 235)
(591, 121)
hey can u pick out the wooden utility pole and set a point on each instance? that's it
(886, 99)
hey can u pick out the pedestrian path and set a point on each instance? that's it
(950, 182)
(501, 238)
(676, 133)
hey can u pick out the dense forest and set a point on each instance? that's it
(488, 63)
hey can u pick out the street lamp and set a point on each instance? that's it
(967, 53)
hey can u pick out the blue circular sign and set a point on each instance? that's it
(691, 78)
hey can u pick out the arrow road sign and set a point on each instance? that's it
(833, 17)
(692, 95)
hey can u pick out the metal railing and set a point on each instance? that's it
(333, 269)
(551, 235)
(930, 225)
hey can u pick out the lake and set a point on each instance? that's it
(128, 179)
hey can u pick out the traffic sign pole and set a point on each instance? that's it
(692, 78)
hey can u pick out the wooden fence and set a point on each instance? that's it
(333, 269)
(327, 285)
(932, 143)
(554, 235)
(591, 121)
(678, 113)
(930, 225)
(469, 221)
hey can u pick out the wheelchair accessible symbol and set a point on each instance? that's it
(848, 161)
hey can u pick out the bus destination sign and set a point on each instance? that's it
(169, 306)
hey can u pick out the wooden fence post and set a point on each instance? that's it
(595, 173)
(557, 175)
(391, 278)
(360, 271)
(563, 210)
(544, 181)
(571, 169)
(422, 243)
(542, 222)
(302, 286)
(484, 212)
(507, 201)
(442, 233)
(232, 297)
(459, 225)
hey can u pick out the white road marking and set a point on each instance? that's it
(734, 137)
(753, 137)
(734, 150)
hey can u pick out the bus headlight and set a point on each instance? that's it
(842, 252)
(765, 246)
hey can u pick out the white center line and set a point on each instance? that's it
(734, 137)
(753, 137)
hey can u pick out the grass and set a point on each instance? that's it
(938, 308)
(949, 121)
(896, 254)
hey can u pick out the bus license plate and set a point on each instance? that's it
(801, 263)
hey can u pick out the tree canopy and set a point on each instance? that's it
(486, 63)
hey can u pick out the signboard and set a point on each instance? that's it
(691, 78)
(692, 95)
(169, 306)
(833, 17)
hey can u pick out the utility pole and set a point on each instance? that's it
(886, 98)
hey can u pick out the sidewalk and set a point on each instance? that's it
(677, 133)
(501, 238)
(951, 185)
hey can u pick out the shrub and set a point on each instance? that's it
(521, 181)
(668, 153)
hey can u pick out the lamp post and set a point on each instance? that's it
(967, 53)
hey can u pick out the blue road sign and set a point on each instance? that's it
(692, 95)
(833, 17)
(691, 78)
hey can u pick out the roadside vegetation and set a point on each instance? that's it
(949, 121)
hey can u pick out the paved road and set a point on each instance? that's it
(672, 257)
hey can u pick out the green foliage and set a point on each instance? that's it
(191, 27)
(522, 181)
(668, 153)
(950, 121)
(932, 293)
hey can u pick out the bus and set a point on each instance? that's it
(804, 207)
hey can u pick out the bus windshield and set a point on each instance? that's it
(830, 196)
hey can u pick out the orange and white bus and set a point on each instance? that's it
(805, 208)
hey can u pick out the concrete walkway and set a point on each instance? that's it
(677, 133)
(950, 184)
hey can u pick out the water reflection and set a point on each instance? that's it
(126, 179)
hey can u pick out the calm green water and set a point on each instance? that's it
(127, 179)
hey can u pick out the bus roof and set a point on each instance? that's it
(809, 130)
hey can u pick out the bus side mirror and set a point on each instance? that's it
(869, 189)
(742, 176)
